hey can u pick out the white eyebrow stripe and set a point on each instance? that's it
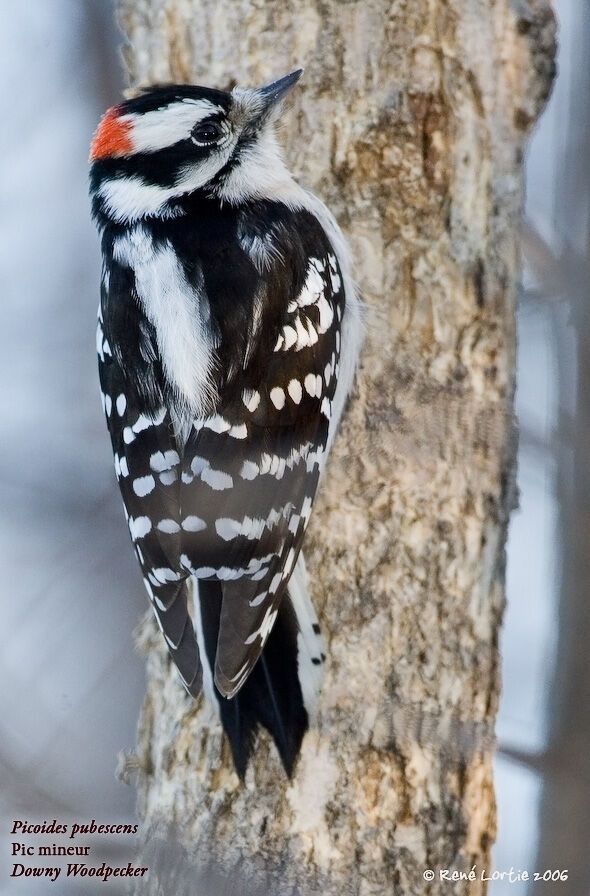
(151, 131)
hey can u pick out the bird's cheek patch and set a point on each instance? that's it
(112, 136)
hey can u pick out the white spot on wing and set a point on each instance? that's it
(314, 458)
(256, 601)
(193, 524)
(198, 464)
(265, 629)
(227, 528)
(289, 337)
(216, 479)
(163, 575)
(300, 332)
(217, 424)
(326, 314)
(250, 527)
(310, 384)
(140, 526)
(99, 338)
(164, 460)
(240, 676)
(251, 399)
(306, 508)
(277, 396)
(295, 391)
(249, 470)
(311, 333)
(276, 581)
(313, 287)
(302, 335)
(335, 278)
(142, 422)
(289, 562)
(143, 485)
(168, 477)
(168, 526)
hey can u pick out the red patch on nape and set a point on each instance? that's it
(112, 136)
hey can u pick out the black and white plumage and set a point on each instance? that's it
(228, 337)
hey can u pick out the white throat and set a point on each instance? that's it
(259, 174)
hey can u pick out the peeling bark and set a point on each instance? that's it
(410, 123)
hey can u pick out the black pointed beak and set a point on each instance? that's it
(275, 92)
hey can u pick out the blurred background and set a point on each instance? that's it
(543, 766)
(72, 683)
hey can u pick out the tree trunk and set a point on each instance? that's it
(410, 123)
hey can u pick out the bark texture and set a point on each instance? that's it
(410, 123)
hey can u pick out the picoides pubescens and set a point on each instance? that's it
(228, 338)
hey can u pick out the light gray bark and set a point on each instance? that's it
(410, 123)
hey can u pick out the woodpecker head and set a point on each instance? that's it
(150, 151)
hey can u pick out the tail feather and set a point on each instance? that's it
(281, 689)
(311, 654)
(169, 603)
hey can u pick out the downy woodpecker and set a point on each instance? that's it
(228, 337)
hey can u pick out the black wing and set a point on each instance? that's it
(251, 471)
(147, 464)
(232, 503)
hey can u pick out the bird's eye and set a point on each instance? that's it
(206, 133)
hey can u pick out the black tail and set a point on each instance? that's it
(281, 688)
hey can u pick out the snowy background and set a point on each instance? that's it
(71, 682)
